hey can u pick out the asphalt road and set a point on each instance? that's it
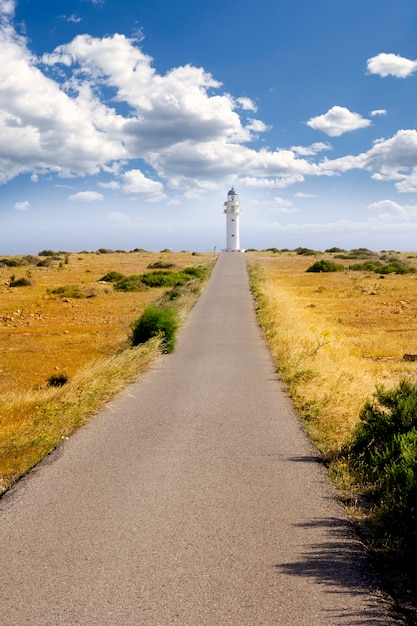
(193, 499)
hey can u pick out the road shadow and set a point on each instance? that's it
(340, 563)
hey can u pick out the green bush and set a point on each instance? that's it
(195, 271)
(383, 456)
(69, 291)
(130, 283)
(20, 282)
(112, 277)
(161, 265)
(325, 266)
(305, 251)
(156, 321)
(162, 278)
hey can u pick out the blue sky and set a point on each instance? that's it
(123, 125)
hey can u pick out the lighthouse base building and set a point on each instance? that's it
(232, 213)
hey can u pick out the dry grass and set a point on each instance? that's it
(334, 336)
(85, 339)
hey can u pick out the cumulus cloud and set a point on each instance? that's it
(86, 196)
(391, 65)
(337, 121)
(135, 183)
(7, 8)
(22, 206)
(311, 150)
(388, 209)
(58, 119)
(393, 159)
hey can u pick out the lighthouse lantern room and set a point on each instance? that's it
(232, 221)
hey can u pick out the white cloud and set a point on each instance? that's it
(73, 18)
(7, 7)
(386, 205)
(337, 121)
(22, 206)
(304, 195)
(379, 112)
(136, 184)
(86, 196)
(393, 159)
(388, 209)
(113, 185)
(247, 104)
(391, 65)
(311, 150)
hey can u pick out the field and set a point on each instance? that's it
(67, 324)
(335, 336)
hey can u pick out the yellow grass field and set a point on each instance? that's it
(84, 339)
(335, 336)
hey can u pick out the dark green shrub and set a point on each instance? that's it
(20, 282)
(161, 265)
(366, 266)
(57, 380)
(68, 291)
(112, 277)
(163, 278)
(383, 455)
(358, 253)
(156, 321)
(305, 251)
(334, 250)
(130, 283)
(325, 266)
(195, 271)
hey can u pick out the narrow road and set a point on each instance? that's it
(192, 499)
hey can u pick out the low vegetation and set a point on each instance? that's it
(66, 339)
(345, 343)
(156, 321)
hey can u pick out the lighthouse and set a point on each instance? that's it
(232, 221)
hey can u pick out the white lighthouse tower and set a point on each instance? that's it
(232, 221)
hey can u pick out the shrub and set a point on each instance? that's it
(20, 282)
(156, 321)
(366, 266)
(195, 271)
(57, 380)
(69, 291)
(161, 265)
(131, 283)
(325, 266)
(358, 253)
(112, 277)
(383, 455)
(163, 278)
(334, 250)
(305, 251)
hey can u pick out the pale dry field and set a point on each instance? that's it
(84, 339)
(335, 336)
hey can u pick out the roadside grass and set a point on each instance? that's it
(49, 334)
(339, 339)
(334, 337)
